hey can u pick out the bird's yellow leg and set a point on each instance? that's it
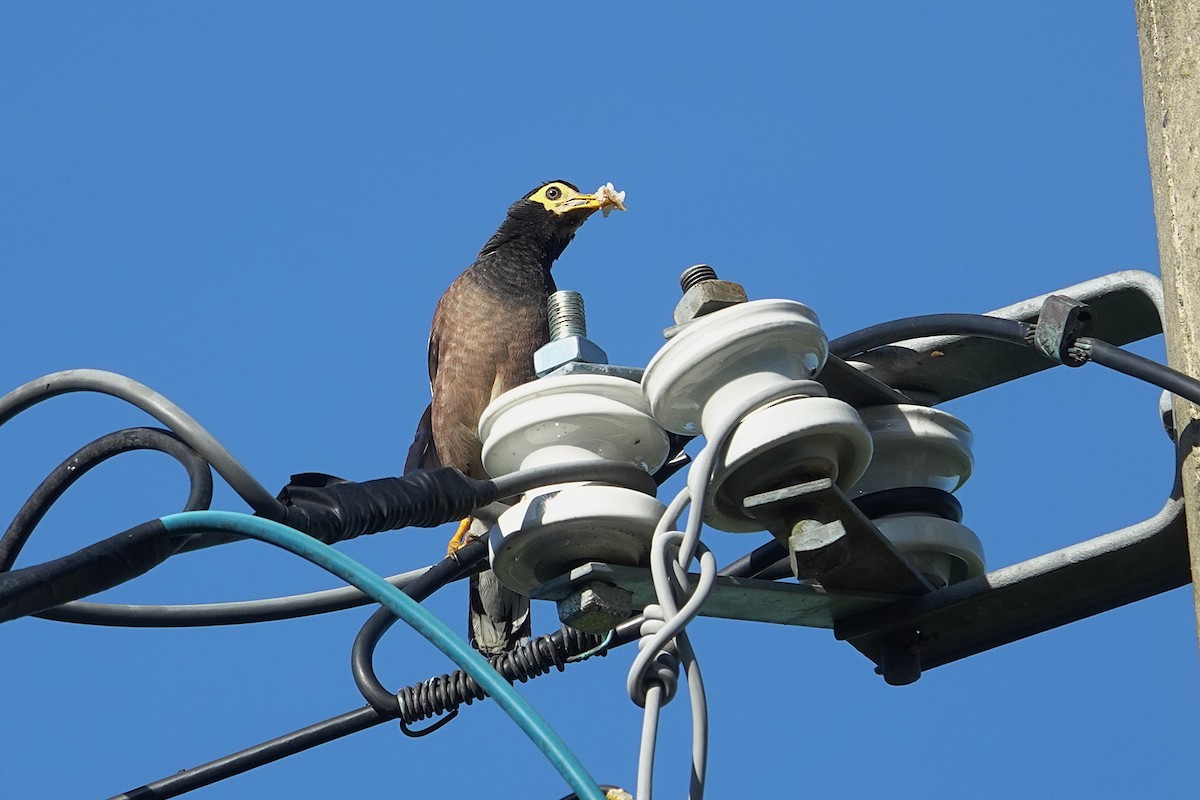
(459, 539)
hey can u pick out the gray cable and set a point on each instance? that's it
(670, 585)
(650, 717)
(233, 613)
(157, 406)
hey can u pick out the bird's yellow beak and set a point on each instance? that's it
(577, 203)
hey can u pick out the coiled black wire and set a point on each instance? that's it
(446, 693)
(537, 657)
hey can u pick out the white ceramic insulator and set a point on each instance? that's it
(795, 439)
(751, 345)
(547, 534)
(915, 446)
(566, 418)
(700, 380)
(943, 550)
(918, 446)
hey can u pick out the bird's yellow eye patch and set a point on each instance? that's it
(556, 197)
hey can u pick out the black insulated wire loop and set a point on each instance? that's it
(91, 456)
(445, 693)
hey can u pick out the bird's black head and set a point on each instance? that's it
(545, 220)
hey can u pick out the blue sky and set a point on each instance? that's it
(253, 208)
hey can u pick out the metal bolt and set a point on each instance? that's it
(697, 274)
(565, 311)
(900, 657)
(568, 336)
(704, 293)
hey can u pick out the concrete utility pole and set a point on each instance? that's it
(1169, 40)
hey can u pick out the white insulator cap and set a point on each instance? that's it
(566, 418)
(746, 347)
(915, 446)
(546, 535)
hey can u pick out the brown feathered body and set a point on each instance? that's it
(505, 323)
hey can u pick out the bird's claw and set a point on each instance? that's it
(460, 538)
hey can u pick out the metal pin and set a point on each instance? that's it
(565, 312)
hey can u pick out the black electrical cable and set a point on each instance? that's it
(757, 561)
(445, 693)
(437, 576)
(253, 757)
(470, 558)
(333, 510)
(1133, 365)
(95, 568)
(240, 612)
(92, 455)
(885, 333)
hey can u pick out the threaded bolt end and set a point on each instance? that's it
(565, 311)
(697, 274)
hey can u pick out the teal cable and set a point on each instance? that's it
(410, 612)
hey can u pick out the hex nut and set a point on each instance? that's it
(559, 352)
(706, 297)
(595, 607)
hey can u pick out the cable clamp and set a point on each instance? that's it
(663, 668)
(1061, 326)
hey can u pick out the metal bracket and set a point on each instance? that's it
(750, 599)
(829, 540)
(1046, 592)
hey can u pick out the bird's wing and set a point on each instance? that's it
(422, 453)
(433, 355)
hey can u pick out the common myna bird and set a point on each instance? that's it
(485, 330)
